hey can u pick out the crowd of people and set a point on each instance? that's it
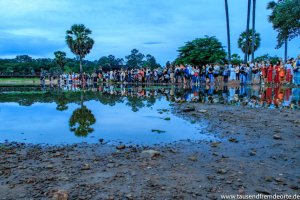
(263, 72)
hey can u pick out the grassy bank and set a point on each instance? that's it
(19, 81)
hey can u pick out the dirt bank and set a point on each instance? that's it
(258, 152)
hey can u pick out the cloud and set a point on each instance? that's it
(156, 27)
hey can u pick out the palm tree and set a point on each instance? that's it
(253, 30)
(228, 31)
(243, 45)
(79, 42)
(247, 31)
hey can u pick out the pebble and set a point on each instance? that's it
(60, 195)
(120, 147)
(277, 137)
(150, 153)
(193, 158)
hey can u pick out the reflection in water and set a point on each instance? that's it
(138, 96)
(81, 120)
(126, 113)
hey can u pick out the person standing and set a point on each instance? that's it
(270, 74)
(289, 71)
(232, 73)
(297, 71)
(237, 72)
(277, 69)
(226, 73)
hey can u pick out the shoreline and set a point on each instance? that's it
(257, 154)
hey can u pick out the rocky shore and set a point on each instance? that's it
(258, 152)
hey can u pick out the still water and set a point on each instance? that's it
(128, 114)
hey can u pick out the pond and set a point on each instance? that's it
(120, 113)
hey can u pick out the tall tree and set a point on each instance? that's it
(135, 59)
(247, 32)
(151, 62)
(79, 42)
(201, 51)
(285, 17)
(60, 58)
(243, 45)
(253, 30)
(228, 32)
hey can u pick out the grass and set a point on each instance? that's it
(19, 81)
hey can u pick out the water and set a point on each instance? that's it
(128, 114)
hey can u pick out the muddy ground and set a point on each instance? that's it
(258, 152)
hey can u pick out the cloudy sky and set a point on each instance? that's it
(158, 27)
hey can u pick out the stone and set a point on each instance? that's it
(222, 171)
(233, 140)
(60, 195)
(262, 191)
(268, 179)
(203, 111)
(294, 187)
(277, 137)
(86, 167)
(214, 144)
(150, 153)
(188, 109)
(49, 167)
(120, 147)
(193, 158)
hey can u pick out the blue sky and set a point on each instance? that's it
(158, 27)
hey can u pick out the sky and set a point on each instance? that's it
(157, 27)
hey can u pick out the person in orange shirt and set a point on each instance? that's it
(281, 73)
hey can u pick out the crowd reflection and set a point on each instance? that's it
(255, 96)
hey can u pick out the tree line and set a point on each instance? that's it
(24, 65)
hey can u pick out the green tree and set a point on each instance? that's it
(267, 57)
(285, 18)
(79, 42)
(60, 58)
(110, 62)
(81, 120)
(151, 62)
(201, 51)
(243, 45)
(135, 59)
(168, 64)
(236, 59)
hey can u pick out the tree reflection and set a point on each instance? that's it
(81, 120)
(62, 103)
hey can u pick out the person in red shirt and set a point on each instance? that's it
(277, 69)
(270, 74)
